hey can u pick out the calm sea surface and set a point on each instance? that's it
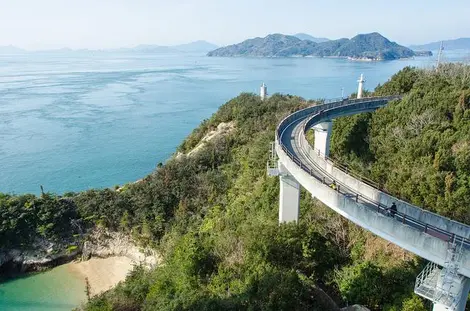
(56, 290)
(78, 121)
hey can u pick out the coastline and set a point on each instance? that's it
(63, 288)
(102, 273)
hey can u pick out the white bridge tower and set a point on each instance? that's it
(263, 91)
(360, 89)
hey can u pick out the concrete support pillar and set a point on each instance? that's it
(360, 88)
(322, 137)
(459, 288)
(263, 91)
(289, 197)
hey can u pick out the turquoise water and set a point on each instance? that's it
(54, 290)
(77, 121)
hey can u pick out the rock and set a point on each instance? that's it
(44, 254)
(222, 129)
(102, 243)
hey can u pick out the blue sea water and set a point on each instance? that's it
(75, 121)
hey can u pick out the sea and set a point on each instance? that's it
(71, 121)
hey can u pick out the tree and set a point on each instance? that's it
(413, 304)
(87, 289)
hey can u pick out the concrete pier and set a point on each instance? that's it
(457, 289)
(289, 197)
(322, 137)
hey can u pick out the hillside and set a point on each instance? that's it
(364, 46)
(417, 149)
(373, 46)
(275, 45)
(231, 254)
(304, 36)
(457, 44)
(222, 244)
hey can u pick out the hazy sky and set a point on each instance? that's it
(40, 24)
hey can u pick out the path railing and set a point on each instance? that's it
(352, 194)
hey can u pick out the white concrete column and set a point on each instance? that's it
(289, 196)
(263, 91)
(289, 199)
(360, 88)
(322, 137)
(439, 307)
(460, 288)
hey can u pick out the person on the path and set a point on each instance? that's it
(393, 209)
(333, 185)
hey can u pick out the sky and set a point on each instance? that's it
(96, 24)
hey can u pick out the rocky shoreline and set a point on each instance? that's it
(99, 243)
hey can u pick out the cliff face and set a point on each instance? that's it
(103, 243)
(33, 260)
(100, 243)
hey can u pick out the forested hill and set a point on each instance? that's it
(213, 214)
(417, 148)
(362, 46)
(224, 249)
(304, 36)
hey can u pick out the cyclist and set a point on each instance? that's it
(333, 185)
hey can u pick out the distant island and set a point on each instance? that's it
(192, 47)
(196, 46)
(457, 44)
(10, 49)
(372, 46)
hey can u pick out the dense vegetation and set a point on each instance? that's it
(25, 218)
(213, 215)
(371, 46)
(417, 148)
(224, 249)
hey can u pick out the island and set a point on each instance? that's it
(456, 44)
(372, 46)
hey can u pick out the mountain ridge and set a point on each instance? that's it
(453, 44)
(371, 46)
(304, 36)
(194, 46)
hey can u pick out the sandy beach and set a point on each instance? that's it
(102, 273)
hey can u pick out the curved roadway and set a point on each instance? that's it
(291, 142)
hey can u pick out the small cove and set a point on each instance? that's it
(54, 290)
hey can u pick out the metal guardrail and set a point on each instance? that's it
(381, 209)
(344, 168)
(426, 281)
